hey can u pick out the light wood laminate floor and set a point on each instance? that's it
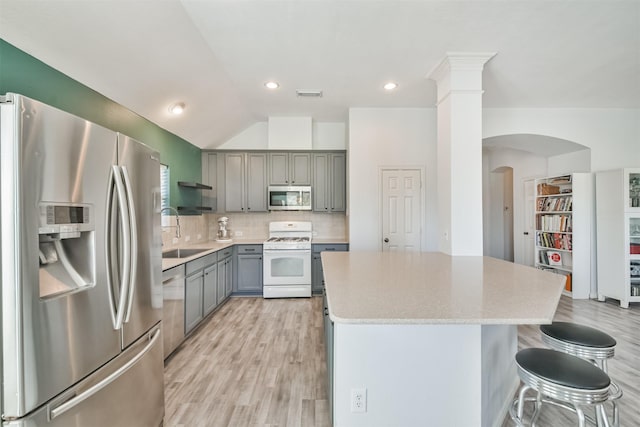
(255, 362)
(259, 362)
(624, 326)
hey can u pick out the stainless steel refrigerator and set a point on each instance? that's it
(81, 295)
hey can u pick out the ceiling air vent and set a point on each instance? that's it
(309, 93)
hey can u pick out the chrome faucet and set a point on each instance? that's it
(177, 227)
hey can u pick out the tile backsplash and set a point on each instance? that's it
(256, 225)
(201, 228)
(193, 229)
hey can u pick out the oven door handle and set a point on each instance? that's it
(281, 252)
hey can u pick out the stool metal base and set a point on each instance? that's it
(573, 396)
(596, 355)
(516, 410)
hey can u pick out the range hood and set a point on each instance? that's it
(290, 133)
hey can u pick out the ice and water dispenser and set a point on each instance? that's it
(67, 248)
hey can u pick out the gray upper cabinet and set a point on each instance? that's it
(256, 183)
(245, 182)
(329, 182)
(234, 182)
(290, 169)
(210, 177)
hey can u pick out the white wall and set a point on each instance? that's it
(525, 166)
(255, 137)
(612, 134)
(329, 136)
(325, 136)
(578, 161)
(467, 379)
(388, 137)
(410, 380)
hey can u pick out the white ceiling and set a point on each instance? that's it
(215, 55)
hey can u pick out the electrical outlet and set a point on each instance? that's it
(199, 236)
(358, 400)
(238, 233)
(187, 238)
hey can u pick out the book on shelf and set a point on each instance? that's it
(562, 223)
(554, 240)
(554, 204)
(554, 258)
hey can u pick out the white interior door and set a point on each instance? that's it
(528, 226)
(401, 210)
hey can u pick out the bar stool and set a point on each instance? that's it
(562, 380)
(587, 343)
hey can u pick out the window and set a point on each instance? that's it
(164, 186)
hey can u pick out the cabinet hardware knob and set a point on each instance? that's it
(526, 233)
(386, 240)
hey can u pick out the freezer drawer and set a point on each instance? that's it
(134, 376)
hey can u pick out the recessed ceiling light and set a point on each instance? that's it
(177, 108)
(272, 85)
(390, 86)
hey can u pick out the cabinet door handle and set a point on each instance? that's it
(330, 249)
(526, 233)
(249, 250)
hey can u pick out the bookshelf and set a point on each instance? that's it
(618, 221)
(564, 230)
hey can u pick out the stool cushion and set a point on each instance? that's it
(562, 369)
(573, 333)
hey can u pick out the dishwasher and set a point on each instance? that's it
(173, 282)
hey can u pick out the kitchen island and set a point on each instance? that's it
(429, 339)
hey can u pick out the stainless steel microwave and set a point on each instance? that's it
(283, 198)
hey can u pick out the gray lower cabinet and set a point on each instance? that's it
(225, 274)
(328, 340)
(228, 286)
(316, 263)
(248, 269)
(193, 301)
(200, 290)
(210, 294)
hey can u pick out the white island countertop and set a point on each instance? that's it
(435, 288)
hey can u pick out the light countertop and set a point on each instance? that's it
(435, 288)
(334, 240)
(209, 246)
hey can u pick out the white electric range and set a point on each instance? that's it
(287, 260)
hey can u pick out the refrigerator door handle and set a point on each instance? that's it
(126, 245)
(134, 241)
(109, 230)
(61, 409)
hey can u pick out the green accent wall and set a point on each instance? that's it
(22, 73)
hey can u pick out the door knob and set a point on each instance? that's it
(386, 240)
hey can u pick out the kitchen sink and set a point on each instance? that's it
(182, 253)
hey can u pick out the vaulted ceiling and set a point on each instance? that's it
(215, 56)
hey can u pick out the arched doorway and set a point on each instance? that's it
(520, 158)
(501, 213)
